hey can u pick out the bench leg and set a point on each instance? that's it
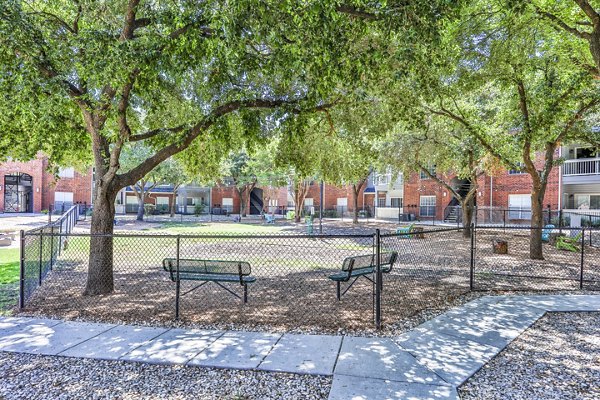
(245, 293)
(339, 296)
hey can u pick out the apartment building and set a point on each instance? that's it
(28, 187)
(573, 186)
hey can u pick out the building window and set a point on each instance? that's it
(520, 169)
(308, 202)
(423, 175)
(427, 206)
(585, 152)
(381, 202)
(587, 201)
(396, 202)
(519, 206)
(66, 172)
(162, 200)
(131, 200)
(228, 203)
(342, 202)
(63, 198)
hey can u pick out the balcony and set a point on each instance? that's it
(385, 182)
(585, 170)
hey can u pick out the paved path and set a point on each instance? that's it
(429, 362)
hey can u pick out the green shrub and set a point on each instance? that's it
(199, 209)
(149, 209)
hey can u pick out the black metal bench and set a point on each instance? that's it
(216, 271)
(357, 266)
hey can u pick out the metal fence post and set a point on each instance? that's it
(472, 266)
(40, 258)
(560, 221)
(22, 270)
(378, 281)
(51, 246)
(60, 236)
(177, 281)
(582, 258)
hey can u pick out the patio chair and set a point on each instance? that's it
(569, 243)
(546, 232)
(405, 229)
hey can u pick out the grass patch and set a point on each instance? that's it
(9, 265)
(9, 278)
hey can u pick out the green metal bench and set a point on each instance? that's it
(216, 271)
(362, 266)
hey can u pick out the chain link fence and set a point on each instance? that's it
(326, 282)
(502, 260)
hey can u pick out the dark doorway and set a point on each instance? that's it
(18, 193)
(256, 201)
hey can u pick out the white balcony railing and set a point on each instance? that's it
(586, 166)
(386, 180)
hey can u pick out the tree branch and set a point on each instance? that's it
(560, 23)
(192, 133)
(589, 11)
(355, 12)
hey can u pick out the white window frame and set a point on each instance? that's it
(68, 172)
(589, 200)
(63, 197)
(520, 212)
(400, 201)
(343, 201)
(426, 205)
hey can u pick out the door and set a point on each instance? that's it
(519, 206)
(18, 193)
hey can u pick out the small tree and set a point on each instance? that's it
(130, 157)
(237, 168)
(436, 141)
(177, 175)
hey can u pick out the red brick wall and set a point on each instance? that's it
(503, 184)
(45, 185)
(330, 196)
(220, 191)
(35, 168)
(414, 188)
(80, 185)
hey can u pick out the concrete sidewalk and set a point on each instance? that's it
(429, 362)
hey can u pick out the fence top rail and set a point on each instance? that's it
(530, 228)
(454, 229)
(205, 236)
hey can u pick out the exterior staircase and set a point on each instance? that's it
(453, 215)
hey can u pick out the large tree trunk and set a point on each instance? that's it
(467, 206)
(243, 201)
(100, 270)
(537, 223)
(173, 204)
(141, 200)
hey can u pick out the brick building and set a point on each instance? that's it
(28, 186)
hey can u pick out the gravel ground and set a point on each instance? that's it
(25, 376)
(557, 358)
